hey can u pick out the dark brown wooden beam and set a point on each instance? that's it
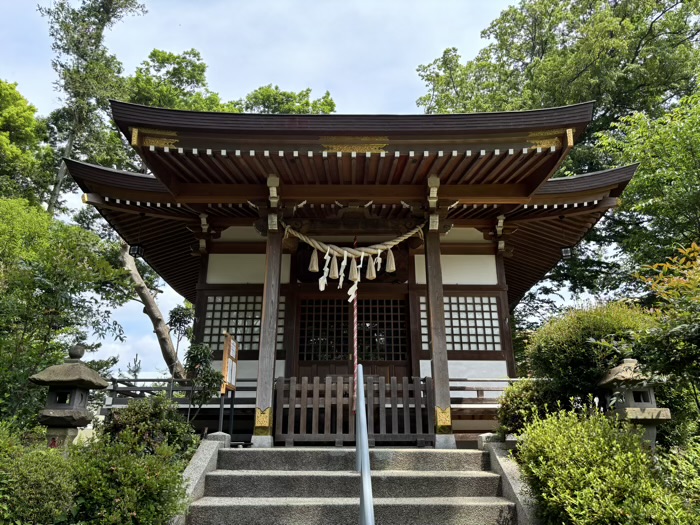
(329, 193)
(262, 433)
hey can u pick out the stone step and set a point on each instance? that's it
(329, 484)
(342, 511)
(343, 459)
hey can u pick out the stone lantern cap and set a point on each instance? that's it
(71, 373)
(627, 372)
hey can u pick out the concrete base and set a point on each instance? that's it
(445, 441)
(223, 437)
(513, 485)
(262, 442)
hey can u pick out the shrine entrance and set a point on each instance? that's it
(324, 345)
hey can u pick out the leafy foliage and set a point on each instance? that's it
(680, 470)
(567, 351)
(631, 55)
(662, 202)
(520, 403)
(206, 380)
(153, 421)
(588, 469)
(129, 475)
(672, 348)
(120, 481)
(35, 482)
(180, 320)
(88, 75)
(271, 99)
(26, 164)
(54, 284)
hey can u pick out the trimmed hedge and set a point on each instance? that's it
(130, 473)
(520, 403)
(122, 482)
(154, 421)
(36, 485)
(587, 469)
(567, 350)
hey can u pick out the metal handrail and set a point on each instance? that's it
(362, 453)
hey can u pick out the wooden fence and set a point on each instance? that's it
(311, 411)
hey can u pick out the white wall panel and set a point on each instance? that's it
(242, 268)
(461, 269)
(470, 369)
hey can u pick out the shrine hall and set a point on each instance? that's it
(276, 227)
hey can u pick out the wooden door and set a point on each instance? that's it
(324, 346)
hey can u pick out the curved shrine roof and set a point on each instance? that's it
(536, 231)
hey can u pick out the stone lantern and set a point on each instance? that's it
(66, 404)
(636, 401)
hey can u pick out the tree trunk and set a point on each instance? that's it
(150, 308)
(61, 175)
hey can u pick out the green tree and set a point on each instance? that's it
(626, 55)
(662, 201)
(673, 347)
(26, 162)
(88, 75)
(55, 285)
(271, 99)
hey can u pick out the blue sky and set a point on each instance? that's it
(365, 52)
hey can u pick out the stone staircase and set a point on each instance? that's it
(318, 486)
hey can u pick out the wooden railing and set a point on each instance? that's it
(312, 411)
(123, 389)
(477, 397)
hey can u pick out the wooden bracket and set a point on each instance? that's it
(433, 185)
(273, 183)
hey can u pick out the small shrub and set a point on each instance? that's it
(122, 482)
(36, 484)
(154, 421)
(592, 470)
(206, 380)
(565, 350)
(520, 403)
(680, 470)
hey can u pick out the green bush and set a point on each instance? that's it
(36, 485)
(125, 482)
(566, 350)
(592, 470)
(680, 470)
(520, 403)
(154, 421)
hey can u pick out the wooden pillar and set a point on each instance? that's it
(438, 341)
(262, 433)
(504, 317)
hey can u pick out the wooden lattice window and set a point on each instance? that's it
(240, 315)
(382, 330)
(471, 324)
(325, 330)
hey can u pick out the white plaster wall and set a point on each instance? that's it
(470, 369)
(462, 369)
(242, 268)
(461, 269)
